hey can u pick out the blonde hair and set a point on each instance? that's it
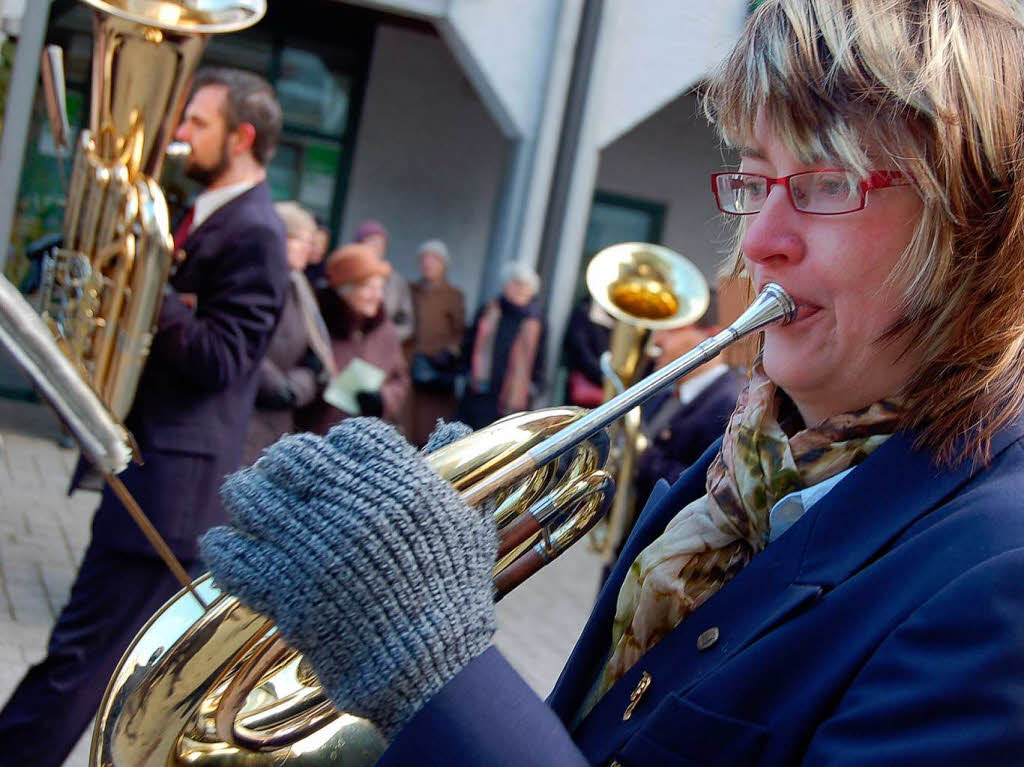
(297, 220)
(938, 85)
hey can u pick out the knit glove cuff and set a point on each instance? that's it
(366, 559)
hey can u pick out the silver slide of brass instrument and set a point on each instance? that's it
(219, 687)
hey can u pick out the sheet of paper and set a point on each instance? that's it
(359, 375)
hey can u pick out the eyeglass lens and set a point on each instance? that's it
(813, 192)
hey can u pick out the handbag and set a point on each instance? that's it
(434, 374)
(583, 391)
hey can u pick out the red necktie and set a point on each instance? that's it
(181, 233)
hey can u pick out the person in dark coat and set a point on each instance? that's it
(587, 337)
(440, 311)
(299, 360)
(835, 582)
(356, 319)
(189, 417)
(683, 421)
(504, 351)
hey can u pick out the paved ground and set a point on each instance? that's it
(43, 535)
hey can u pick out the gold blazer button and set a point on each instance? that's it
(636, 695)
(707, 638)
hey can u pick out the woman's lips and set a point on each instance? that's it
(803, 311)
(804, 308)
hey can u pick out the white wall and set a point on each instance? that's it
(667, 159)
(429, 158)
(653, 50)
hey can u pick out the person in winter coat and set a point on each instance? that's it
(353, 311)
(397, 298)
(440, 310)
(299, 360)
(504, 351)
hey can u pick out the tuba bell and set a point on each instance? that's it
(645, 288)
(219, 687)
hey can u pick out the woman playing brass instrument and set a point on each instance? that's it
(838, 581)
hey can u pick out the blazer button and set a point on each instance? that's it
(707, 638)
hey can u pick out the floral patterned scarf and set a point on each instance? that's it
(715, 536)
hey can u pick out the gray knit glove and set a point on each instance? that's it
(366, 559)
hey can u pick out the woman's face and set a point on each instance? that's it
(364, 297)
(518, 292)
(431, 266)
(299, 247)
(830, 359)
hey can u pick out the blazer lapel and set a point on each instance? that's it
(893, 489)
(588, 656)
(762, 596)
(222, 216)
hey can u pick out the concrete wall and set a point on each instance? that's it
(429, 158)
(667, 159)
(653, 50)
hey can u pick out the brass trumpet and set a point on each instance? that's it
(219, 687)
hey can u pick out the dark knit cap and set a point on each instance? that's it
(368, 228)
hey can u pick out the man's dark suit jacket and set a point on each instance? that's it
(679, 434)
(197, 390)
(884, 627)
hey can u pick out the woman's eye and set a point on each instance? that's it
(833, 186)
(753, 187)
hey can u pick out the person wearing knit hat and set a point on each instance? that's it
(353, 310)
(397, 298)
(440, 311)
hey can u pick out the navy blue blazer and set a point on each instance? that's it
(885, 627)
(197, 390)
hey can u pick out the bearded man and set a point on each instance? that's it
(189, 417)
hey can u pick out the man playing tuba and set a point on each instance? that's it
(189, 416)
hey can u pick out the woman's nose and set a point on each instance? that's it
(774, 235)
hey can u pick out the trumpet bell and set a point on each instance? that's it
(647, 285)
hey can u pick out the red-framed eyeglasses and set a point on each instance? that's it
(827, 192)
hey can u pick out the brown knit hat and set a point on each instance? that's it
(353, 263)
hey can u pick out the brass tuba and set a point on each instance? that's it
(218, 686)
(645, 288)
(101, 291)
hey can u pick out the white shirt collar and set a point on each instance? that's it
(208, 202)
(691, 388)
(793, 506)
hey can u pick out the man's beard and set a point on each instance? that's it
(207, 175)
